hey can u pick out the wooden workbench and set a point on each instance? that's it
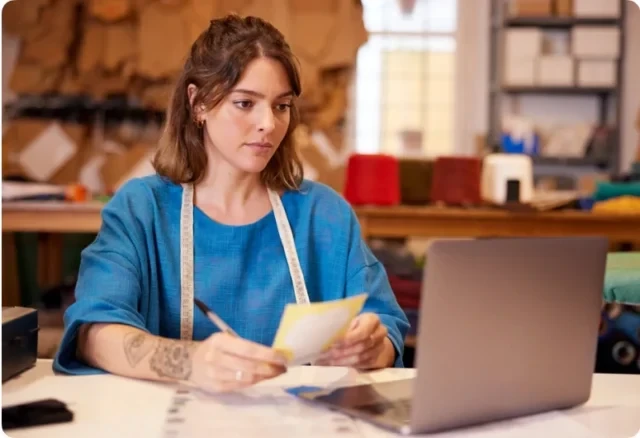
(434, 222)
(401, 221)
(51, 219)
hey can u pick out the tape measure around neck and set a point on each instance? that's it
(187, 265)
(286, 237)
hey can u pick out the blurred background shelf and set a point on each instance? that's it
(560, 22)
(558, 90)
(543, 55)
(571, 161)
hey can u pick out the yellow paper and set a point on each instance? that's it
(306, 330)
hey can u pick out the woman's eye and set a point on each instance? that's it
(282, 107)
(244, 104)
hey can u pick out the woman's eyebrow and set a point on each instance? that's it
(256, 94)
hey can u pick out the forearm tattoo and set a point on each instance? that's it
(137, 346)
(173, 359)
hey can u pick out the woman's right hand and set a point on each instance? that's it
(225, 363)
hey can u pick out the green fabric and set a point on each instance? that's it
(622, 279)
(27, 263)
(607, 190)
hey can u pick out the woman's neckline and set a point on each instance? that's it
(204, 216)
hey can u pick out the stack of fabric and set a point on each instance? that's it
(405, 274)
(620, 196)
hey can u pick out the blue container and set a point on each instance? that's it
(520, 146)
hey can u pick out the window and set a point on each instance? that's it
(405, 79)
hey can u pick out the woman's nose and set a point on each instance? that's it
(266, 121)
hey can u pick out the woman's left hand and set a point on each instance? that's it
(364, 346)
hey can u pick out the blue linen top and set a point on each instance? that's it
(131, 273)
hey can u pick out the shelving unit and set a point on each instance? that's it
(605, 95)
(558, 22)
(81, 109)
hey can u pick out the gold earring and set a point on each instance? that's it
(199, 123)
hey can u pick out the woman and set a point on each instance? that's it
(209, 224)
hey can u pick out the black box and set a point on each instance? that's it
(19, 340)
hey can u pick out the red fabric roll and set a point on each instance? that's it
(372, 180)
(456, 181)
(407, 291)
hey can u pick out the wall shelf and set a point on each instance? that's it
(559, 90)
(570, 161)
(559, 22)
(609, 100)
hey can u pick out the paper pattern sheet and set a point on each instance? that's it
(265, 412)
(272, 413)
(306, 330)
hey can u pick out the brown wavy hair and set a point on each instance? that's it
(215, 64)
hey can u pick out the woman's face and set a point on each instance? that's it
(247, 127)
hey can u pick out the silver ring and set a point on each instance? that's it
(239, 375)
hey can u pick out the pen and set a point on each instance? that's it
(214, 318)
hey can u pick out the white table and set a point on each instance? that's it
(108, 406)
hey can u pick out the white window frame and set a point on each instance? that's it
(365, 133)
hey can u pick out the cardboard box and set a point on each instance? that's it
(117, 166)
(596, 8)
(555, 70)
(595, 42)
(563, 8)
(137, 47)
(530, 8)
(597, 73)
(523, 43)
(59, 165)
(520, 72)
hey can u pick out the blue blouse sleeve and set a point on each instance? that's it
(108, 288)
(366, 274)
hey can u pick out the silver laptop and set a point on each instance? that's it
(507, 328)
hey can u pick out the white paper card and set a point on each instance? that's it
(307, 330)
(47, 153)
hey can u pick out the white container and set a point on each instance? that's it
(595, 42)
(555, 71)
(519, 72)
(596, 8)
(499, 169)
(522, 42)
(595, 73)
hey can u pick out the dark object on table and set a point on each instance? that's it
(36, 413)
(619, 341)
(600, 144)
(415, 181)
(19, 340)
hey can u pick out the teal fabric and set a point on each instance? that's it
(622, 279)
(607, 190)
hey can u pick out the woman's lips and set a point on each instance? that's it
(260, 148)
